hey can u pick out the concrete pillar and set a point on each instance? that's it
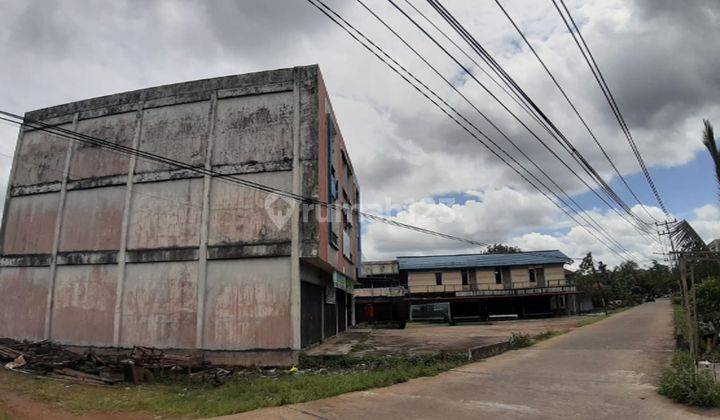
(322, 313)
(120, 286)
(58, 227)
(352, 302)
(295, 219)
(205, 226)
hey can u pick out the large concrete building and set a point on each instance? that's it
(109, 250)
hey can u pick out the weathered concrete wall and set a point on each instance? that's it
(41, 159)
(176, 132)
(36, 211)
(95, 162)
(159, 305)
(380, 268)
(84, 304)
(242, 215)
(23, 299)
(248, 304)
(254, 128)
(165, 214)
(92, 219)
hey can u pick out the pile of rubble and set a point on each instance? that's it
(139, 365)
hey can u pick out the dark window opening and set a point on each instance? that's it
(438, 279)
(498, 275)
(533, 275)
(464, 274)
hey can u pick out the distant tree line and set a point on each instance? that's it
(628, 282)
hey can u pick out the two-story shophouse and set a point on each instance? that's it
(480, 285)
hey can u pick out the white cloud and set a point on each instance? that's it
(526, 221)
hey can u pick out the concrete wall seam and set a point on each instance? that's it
(122, 252)
(204, 226)
(57, 232)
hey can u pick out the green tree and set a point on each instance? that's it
(502, 249)
(587, 265)
(588, 281)
(708, 306)
(659, 279)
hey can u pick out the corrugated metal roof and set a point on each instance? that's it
(432, 262)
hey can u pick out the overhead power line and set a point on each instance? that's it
(427, 93)
(580, 212)
(130, 151)
(547, 124)
(641, 225)
(572, 105)
(600, 79)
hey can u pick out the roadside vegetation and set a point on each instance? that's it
(519, 340)
(696, 316)
(247, 390)
(684, 382)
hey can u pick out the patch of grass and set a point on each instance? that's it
(597, 318)
(4, 416)
(548, 335)
(520, 340)
(682, 384)
(241, 393)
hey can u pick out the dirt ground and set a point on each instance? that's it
(419, 338)
(17, 407)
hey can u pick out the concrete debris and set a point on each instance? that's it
(142, 364)
(18, 362)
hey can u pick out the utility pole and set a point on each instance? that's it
(681, 261)
(666, 224)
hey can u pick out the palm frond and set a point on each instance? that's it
(685, 237)
(709, 142)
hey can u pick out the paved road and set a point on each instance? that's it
(604, 370)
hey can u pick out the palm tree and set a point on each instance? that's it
(709, 142)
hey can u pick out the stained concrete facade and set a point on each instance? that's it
(110, 250)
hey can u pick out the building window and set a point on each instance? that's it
(464, 275)
(347, 245)
(333, 192)
(498, 275)
(332, 226)
(438, 279)
(536, 273)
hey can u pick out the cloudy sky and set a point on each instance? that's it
(661, 58)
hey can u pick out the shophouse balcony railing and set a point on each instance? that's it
(518, 288)
(394, 291)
